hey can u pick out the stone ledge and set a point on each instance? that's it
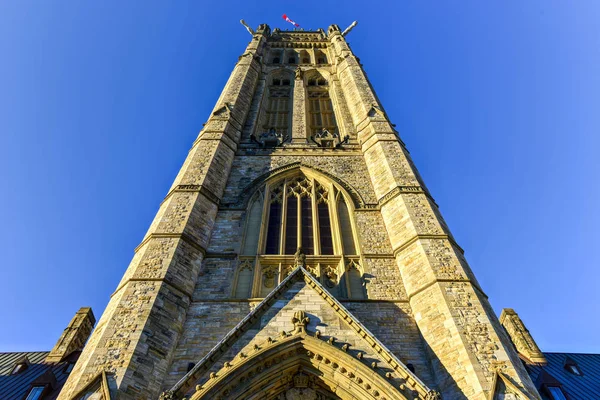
(413, 239)
(186, 238)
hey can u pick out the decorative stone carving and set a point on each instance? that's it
(300, 320)
(433, 395)
(269, 139)
(329, 140)
(300, 258)
(269, 277)
(331, 277)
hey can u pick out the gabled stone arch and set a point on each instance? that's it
(286, 170)
(282, 73)
(298, 361)
(316, 74)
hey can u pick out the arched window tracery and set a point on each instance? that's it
(303, 210)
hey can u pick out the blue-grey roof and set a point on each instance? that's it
(584, 387)
(14, 387)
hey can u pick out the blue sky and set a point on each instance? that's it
(497, 101)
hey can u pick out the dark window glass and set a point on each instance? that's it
(285, 82)
(35, 393)
(556, 393)
(346, 228)
(325, 229)
(305, 60)
(312, 82)
(307, 226)
(291, 60)
(273, 229)
(276, 82)
(291, 228)
(276, 60)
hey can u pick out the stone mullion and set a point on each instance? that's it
(336, 231)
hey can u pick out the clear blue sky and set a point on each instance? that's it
(499, 103)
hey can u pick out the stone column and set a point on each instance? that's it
(299, 128)
(450, 309)
(138, 332)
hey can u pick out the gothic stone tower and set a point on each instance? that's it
(298, 254)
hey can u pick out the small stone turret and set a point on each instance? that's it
(74, 336)
(520, 336)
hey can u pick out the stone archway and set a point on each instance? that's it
(298, 365)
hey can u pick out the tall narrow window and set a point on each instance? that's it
(274, 225)
(326, 240)
(253, 227)
(345, 227)
(321, 115)
(277, 114)
(291, 226)
(307, 225)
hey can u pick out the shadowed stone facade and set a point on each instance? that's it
(379, 270)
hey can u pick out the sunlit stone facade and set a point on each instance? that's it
(299, 254)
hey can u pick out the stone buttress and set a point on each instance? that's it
(136, 336)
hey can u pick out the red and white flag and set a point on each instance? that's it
(290, 21)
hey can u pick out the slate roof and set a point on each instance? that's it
(577, 387)
(15, 387)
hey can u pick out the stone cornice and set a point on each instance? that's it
(207, 193)
(413, 239)
(183, 236)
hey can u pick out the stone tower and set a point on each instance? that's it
(299, 254)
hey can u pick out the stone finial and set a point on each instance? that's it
(521, 338)
(300, 320)
(74, 336)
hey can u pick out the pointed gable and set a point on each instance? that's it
(327, 322)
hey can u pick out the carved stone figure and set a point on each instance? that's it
(300, 258)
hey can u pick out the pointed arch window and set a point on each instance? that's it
(320, 108)
(277, 113)
(300, 211)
